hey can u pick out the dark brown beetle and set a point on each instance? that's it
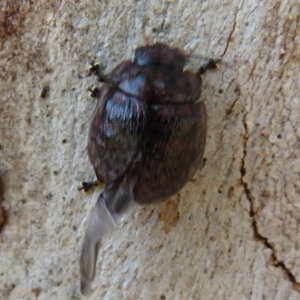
(146, 139)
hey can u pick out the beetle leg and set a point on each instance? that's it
(102, 78)
(210, 65)
(94, 69)
(94, 92)
(87, 185)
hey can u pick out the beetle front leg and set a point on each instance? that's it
(94, 70)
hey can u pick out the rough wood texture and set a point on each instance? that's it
(234, 233)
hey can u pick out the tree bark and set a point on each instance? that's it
(233, 232)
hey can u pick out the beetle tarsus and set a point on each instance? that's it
(94, 92)
(94, 70)
(87, 185)
(212, 64)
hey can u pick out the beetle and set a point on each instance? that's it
(146, 138)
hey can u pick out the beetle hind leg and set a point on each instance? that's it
(87, 185)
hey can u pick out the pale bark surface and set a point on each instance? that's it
(233, 233)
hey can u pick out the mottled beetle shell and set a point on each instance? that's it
(149, 125)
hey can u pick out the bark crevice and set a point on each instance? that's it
(274, 260)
